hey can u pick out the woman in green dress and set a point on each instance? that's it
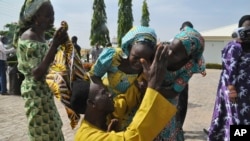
(34, 58)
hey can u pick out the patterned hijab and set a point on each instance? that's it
(192, 41)
(194, 45)
(138, 34)
(28, 10)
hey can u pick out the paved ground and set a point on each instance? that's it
(202, 91)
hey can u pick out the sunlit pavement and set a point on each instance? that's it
(202, 92)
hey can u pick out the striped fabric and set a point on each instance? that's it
(66, 67)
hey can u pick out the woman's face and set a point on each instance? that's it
(178, 56)
(45, 16)
(140, 50)
(246, 41)
(246, 23)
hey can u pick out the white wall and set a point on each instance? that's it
(212, 52)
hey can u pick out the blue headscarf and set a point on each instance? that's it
(192, 41)
(194, 45)
(138, 33)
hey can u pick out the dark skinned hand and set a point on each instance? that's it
(60, 37)
(232, 94)
(155, 72)
(233, 97)
(113, 125)
(141, 85)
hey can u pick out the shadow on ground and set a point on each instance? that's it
(195, 135)
(192, 105)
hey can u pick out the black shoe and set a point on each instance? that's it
(4, 94)
(205, 131)
(182, 130)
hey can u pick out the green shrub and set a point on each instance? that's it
(213, 66)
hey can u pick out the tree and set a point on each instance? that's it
(9, 31)
(99, 31)
(11, 28)
(125, 19)
(145, 14)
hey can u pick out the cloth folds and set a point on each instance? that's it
(66, 68)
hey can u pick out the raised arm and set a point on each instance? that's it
(60, 37)
(142, 127)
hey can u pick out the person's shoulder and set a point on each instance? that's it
(27, 43)
(100, 49)
(78, 46)
(108, 50)
(118, 50)
(233, 43)
(32, 37)
(92, 50)
(28, 35)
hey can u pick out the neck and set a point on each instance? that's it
(40, 33)
(98, 120)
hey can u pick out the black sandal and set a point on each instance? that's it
(205, 131)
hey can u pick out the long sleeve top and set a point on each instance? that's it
(142, 128)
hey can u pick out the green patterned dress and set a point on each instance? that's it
(44, 121)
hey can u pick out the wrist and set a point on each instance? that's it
(153, 87)
(232, 91)
(231, 87)
(232, 94)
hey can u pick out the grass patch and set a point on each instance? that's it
(213, 66)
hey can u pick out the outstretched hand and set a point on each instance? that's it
(156, 71)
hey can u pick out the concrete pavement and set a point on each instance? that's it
(202, 92)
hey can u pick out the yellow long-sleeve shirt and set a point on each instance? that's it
(147, 123)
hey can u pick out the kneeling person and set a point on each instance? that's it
(142, 128)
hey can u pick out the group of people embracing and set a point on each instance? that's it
(130, 93)
(126, 96)
(120, 72)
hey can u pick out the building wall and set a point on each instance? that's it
(212, 52)
(215, 41)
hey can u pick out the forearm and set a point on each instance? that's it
(41, 70)
(49, 58)
(153, 108)
(168, 93)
